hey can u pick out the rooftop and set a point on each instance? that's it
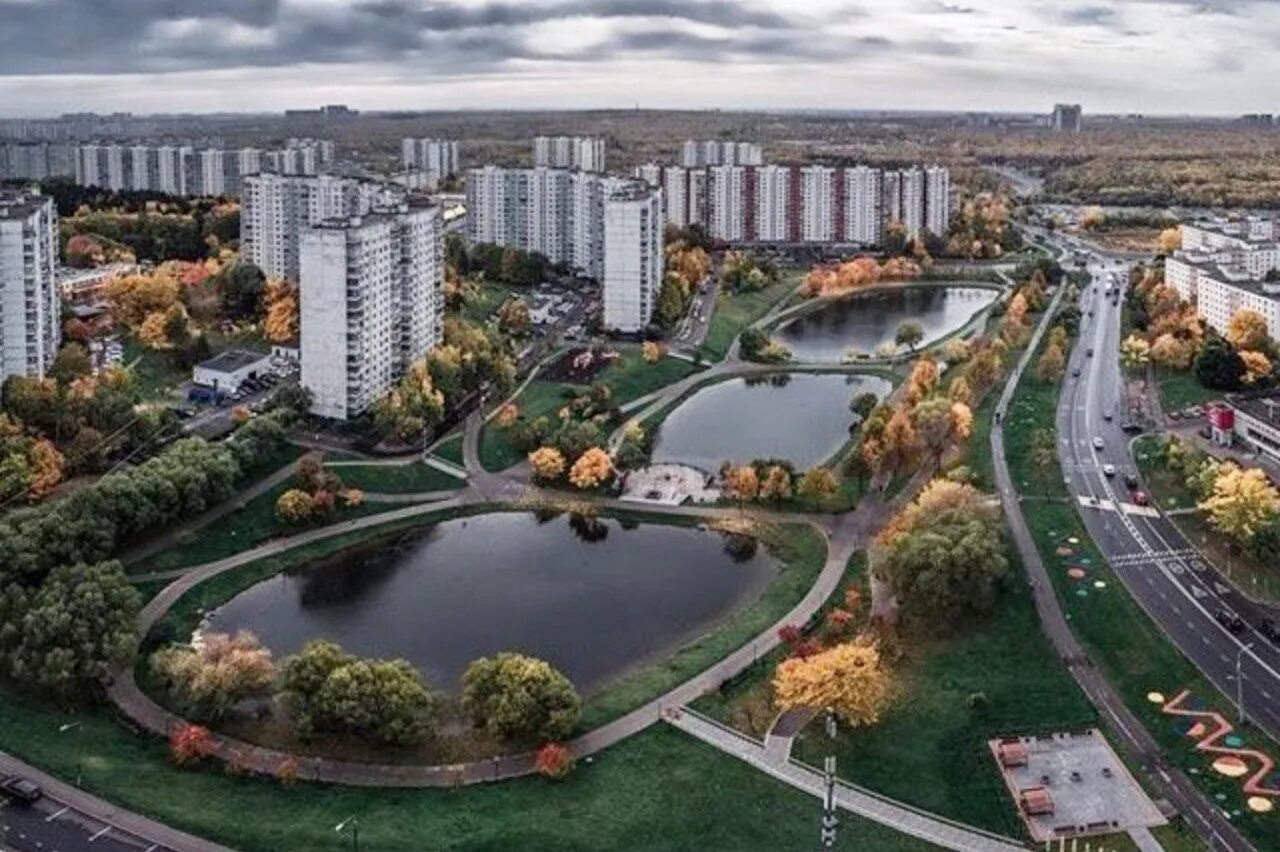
(1260, 405)
(232, 360)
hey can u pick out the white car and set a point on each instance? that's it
(1108, 470)
(1097, 443)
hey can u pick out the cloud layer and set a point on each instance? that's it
(1136, 54)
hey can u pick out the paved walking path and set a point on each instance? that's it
(867, 804)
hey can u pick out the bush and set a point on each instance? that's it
(520, 698)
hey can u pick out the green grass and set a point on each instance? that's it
(660, 791)
(733, 313)
(1126, 646)
(450, 450)
(490, 295)
(1181, 389)
(801, 552)
(254, 523)
(411, 478)
(630, 377)
(156, 374)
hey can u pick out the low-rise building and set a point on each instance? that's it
(1224, 267)
(1252, 420)
(227, 371)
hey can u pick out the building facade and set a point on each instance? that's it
(437, 159)
(371, 304)
(718, 152)
(188, 171)
(585, 153)
(1067, 118)
(1223, 269)
(30, 322)
(633, 258)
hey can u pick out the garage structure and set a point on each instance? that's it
(227, 371)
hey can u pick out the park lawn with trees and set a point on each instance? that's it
(1130, 650)
(1179, 390)
(735, 311)
(628, 378)
(412, 478)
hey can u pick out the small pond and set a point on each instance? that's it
(862, 323)
(801, 417)
(593, 597)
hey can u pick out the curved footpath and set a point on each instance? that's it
(1205, 819)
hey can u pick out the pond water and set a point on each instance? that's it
(862, 323)
(801, 417)
(592, 598)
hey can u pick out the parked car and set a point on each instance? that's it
(1075, 372)
(1108, 416)
(1089, 352)
(1140, 498)
(1108, 470)
(1229, 620)
(1270, 628)
(20, 789)
(1097, 443)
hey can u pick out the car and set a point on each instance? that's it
(1270, 628)
(1097, 443)
(21, 789)
(1075, 372)
(1130, 481)
(1131, 429)
(1108, 470)
(1108, 416)
(1229, 620)
(1140, 498)
(1089, 354)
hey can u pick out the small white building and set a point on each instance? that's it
(226, 372)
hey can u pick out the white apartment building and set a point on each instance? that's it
(818, 204)
(912, 186)
(585, 153)
(937, 200)
(371, 304)
(437, 158)
(718, 152)
(1222, 267)
(633, 258)
(183, 170)
(675, 197)
(30, 325)
(772, 204)
(650, 173)
(277, 209)
(863, 219)
(726, 203)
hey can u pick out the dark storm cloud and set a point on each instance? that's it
(117, 36)
(1089, 15)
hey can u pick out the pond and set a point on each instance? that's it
(801, 417)
(592, 597)
(862, 323)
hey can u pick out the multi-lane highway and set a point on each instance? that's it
(1160, 568)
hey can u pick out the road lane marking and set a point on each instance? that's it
(51, 817)
(99, 834)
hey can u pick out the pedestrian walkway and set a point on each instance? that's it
(931, 828)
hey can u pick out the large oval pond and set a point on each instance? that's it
(801, 417)
(592, 598)
(860, 324)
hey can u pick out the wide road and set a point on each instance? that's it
(1160, 568)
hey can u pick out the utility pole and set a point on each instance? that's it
(830, 822)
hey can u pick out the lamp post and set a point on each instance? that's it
(1240, 680)
(354, 825)
(65, 728)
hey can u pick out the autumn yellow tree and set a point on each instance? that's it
(1172, 353)
(1135, 353)
(1170, 240)
(742, 483)
(1242, 501)
(46, 465)
(548, 464)
(923, 379)
(1247, 330)
(593, 468)
(1052, 363)
(507, 415)
(1256, 365)
(960, 391)
(961, 422)
(1092, 218)
(776, 485)
(653, 352)
(818, 485)
(295, 506)
(281, 301)
(847, 679)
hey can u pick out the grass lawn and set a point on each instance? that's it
(411, 478)
(1128, 648)
(252, 524)
(1258, 580)
(733, 313)
(490, 295)
(630, 378)
(155, 372)
(660, 790)
(1181, 389)
(450, 450)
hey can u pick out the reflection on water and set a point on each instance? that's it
(587, 594)
(863, 323)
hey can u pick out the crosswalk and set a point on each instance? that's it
(1104, 505)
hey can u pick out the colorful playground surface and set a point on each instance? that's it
(1071, 785)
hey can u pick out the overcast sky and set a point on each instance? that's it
(1211, 56)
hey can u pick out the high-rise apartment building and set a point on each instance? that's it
(771, 222)
(818, 193)
(727, 203)
(863, 222)
(437, 158)
(184, 170)
(36, 160)
(371, 303)
(718, 152)
(30, 325)
(633, 259)
(276, 210)
(584, 153)
(1067, 118)
(937, 200)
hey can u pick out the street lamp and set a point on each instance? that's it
(65, 728)
(354, 825)
(1240, 680)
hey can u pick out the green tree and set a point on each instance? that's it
(520, 698)
(909, 334)
(71, 362)
(241, 286)
(863, 404)
(1219, 366)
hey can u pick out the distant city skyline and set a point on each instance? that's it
(1151, 56)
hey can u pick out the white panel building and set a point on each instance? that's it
(772, 204)
(633, 259)
(30, 325)
(726, 195)
(436, 158)
(585, 153)
(370, 304)
(937, 200)
(863, 214)
(818, 204)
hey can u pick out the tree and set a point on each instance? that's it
(592, 469)
(241, 286)
(776, 485)
(1242, 503)
(519, 698)
(1092, 218)
(328, 689)
(1256, 366)
(742, 483)
(45, 466)
(281, 302)
(1247, 330)
(932, 420)
(77, 628)
(1052, 363)
(1219, 366)
(1135, 353)
(909, 334)
(190, 744)
(514, 318)
(1172, 352)
(548, 464)
(847, 679)
(901, 443)
(652, 351)
(1170, 240)
(818, 486)
(863, 404)
(295, 506)
(554, 760)
(71, 362)
(924, 379)
(221, 671)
